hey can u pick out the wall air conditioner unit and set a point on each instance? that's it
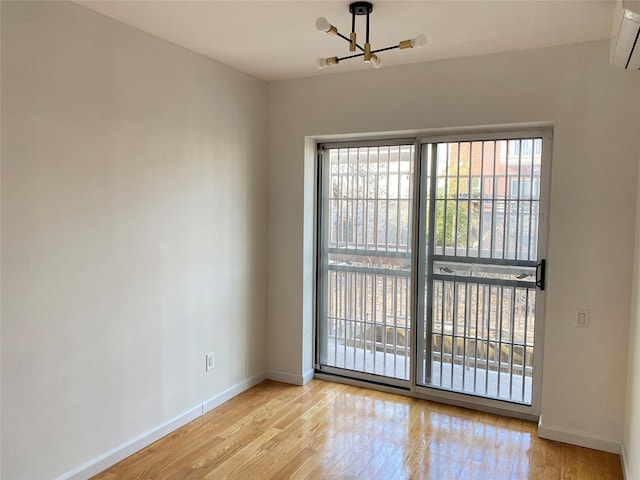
(625, 35)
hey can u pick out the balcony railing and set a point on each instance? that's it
(482, 349)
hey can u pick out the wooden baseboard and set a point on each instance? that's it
(291, 378)
(231, 392)
(575, 437)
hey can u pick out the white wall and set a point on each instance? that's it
(0, 247)
(595, 161)
(133, 234)
(632, 417)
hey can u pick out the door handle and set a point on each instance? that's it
(541, 274)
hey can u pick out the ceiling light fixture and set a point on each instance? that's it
(370, 56)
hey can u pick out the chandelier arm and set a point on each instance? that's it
(362, 54)
(351, 56)
(367, 28)
(385, 49)
(353, 36)
(349, 40)
(343, 37)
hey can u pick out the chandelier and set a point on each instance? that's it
(370, 56)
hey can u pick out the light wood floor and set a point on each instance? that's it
(332, 431)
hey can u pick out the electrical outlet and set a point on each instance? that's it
(210, 361)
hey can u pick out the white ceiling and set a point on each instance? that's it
(275, 40)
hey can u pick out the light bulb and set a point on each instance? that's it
(323, 24)
(419, 42)
(321, 63)
(376, 60)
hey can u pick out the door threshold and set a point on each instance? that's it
(450, 399)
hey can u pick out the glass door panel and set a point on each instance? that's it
(364, 323)
(479, 265)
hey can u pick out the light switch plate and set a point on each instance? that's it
(582, 318)
(209, 361)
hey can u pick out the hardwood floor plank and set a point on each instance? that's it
(326, 430)
(294, 464)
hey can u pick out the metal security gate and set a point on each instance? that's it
(365, 258)
(479, 270)
(440, 292)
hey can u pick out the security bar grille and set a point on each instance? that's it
(367, 249)
(481, 253)
(435, 291)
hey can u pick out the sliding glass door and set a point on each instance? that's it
(440, 291)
